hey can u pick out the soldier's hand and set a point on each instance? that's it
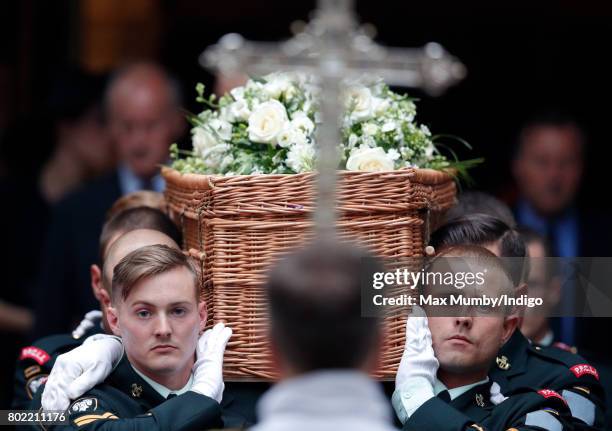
(418, 367)
(79, 370)
(208, 369)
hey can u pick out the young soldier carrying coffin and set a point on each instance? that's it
(170, 377)
(519, 363)
(442, 381)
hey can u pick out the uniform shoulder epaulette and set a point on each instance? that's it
(575, 363)
(54, 343)
(566, 357)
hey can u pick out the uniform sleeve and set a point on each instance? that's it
(437, 415)
(541, 410)
(585, 397)
(190, 411)
(31, 372)
(523, 412)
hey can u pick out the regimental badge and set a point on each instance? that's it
(84, 405)
(33, 352)
(547, 393)
(34, 384)
(479, 400)
(502, 362)
(136, 390)
(582, 369)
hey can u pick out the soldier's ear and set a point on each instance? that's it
(95, 274)
(203, 315)
(510, 324)
(113, 321)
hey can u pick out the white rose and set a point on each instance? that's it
(369, 129)
(222, 128)
(359, 99)
(301, 121)
(369, 159)
(380, 105)
(291, 136)
(202, 140)
(239, 111)
(277, 86)
(301, 157)
(267, 121)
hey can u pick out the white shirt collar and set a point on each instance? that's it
(130, 183)
(458, 391)
(161, 389)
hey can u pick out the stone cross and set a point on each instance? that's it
(334, 47)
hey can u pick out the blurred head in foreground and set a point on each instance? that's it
(314, 297)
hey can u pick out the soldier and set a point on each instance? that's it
(36, 361)
(442, 381)
(519, 364)
(158, 384)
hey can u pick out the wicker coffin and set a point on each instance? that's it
(237, 226)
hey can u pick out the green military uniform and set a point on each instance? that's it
(521, 365)
(36, 361)
(126, 401)
(473, 410)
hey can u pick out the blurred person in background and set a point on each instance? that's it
(548, 169)
(142, 118)
(541, 283)
(46, 156)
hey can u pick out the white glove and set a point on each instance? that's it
(208, 368)
(88, 322)
(417, 370)
(77, 371)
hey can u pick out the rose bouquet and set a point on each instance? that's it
(269, 124)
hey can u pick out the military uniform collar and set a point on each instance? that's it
(456, 392)
(512, 357)
(475, 402)
(125, 379)
(161, 389)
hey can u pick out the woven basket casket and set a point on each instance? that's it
(237, 226)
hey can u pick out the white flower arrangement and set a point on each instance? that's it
(269, 126)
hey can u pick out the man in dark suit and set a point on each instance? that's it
(548, 168)
(143, 118)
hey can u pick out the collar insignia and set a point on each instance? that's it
(136, 390)
(479, 400)
(502, 363)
